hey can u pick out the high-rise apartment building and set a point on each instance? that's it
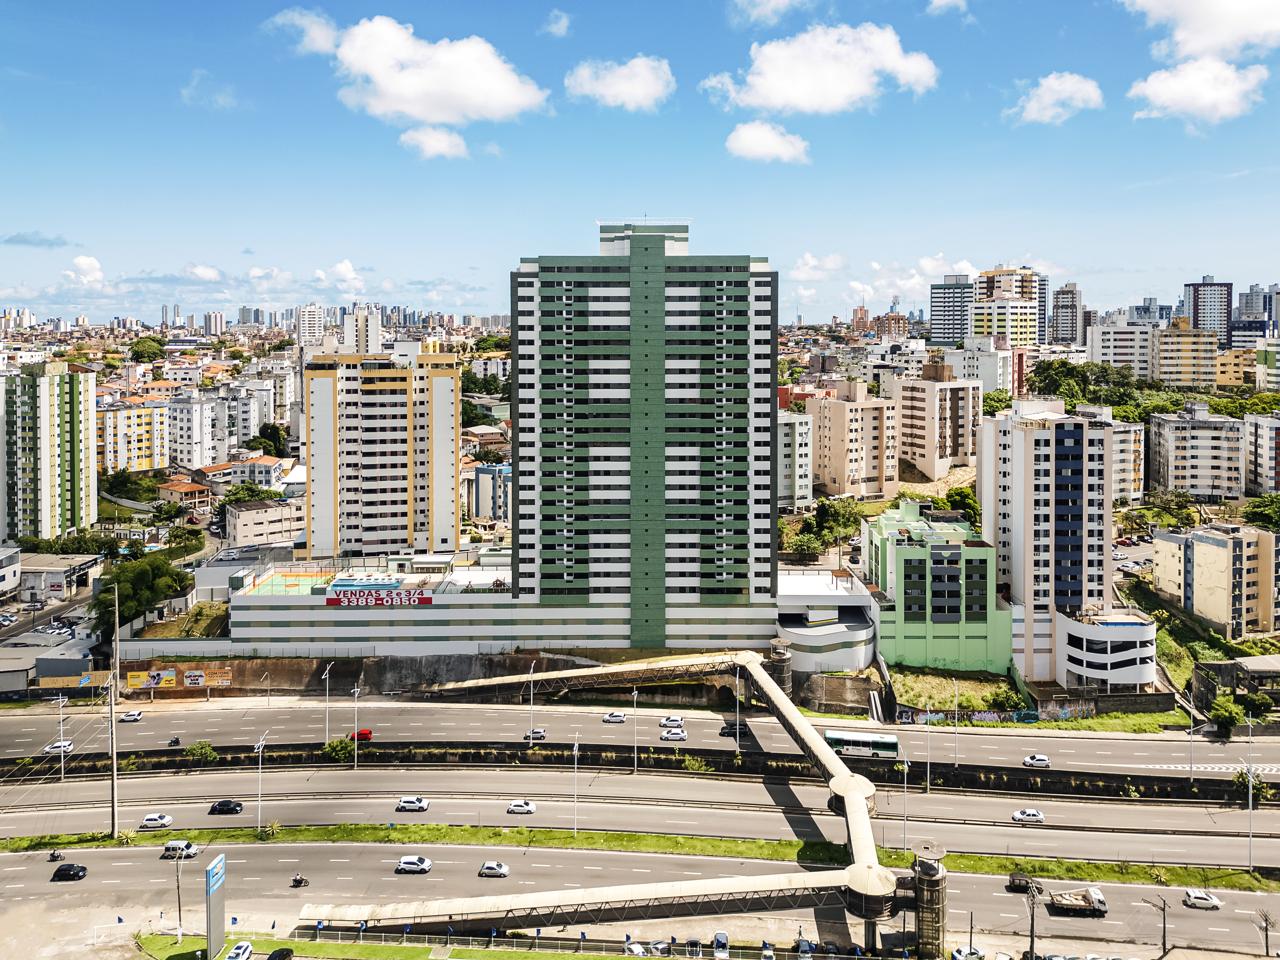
(362, 332)
(1261, 454)
(855, 443)
(985, 359)
(1251, 320)
(309, 321)
(49, 480)
(1067, 324)
(938, 418)
(643, 416)
(1235, 367)
(1044, 482)
(1207, 305)
(795, 460)
(1151, 312)
(133, 436)
(1184, 357)
(215, 323)
(1016, 283)
(192, 441)
(1197, 451)
(1005, 316)
(1266, 367)
(383, 444)
(949, 309)
(1128, 454)
(1121, 345)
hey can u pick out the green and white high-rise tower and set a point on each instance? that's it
(644, 416)
(49, 477)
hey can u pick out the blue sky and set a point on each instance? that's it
(257, 153)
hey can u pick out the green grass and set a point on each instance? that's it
(921, 687)
(783, 851)
(113, 511)
(24, 704)
(466, 953)
(1175, 659)
(1107, 722)
(207, 618)
(167, 948)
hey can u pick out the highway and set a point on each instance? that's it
(137, 883)
(612, 800)
(289, 720)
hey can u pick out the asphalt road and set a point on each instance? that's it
(242, 723)
(136, 881)
(653, 804)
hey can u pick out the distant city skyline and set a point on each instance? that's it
(270, 156)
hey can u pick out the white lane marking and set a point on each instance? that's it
(592, 868)
(111, 881)
(339, 861)
(159, 880)
(683, 822)
(640, 870)
(10, 886)
(1012, 915)
(15, 868)
(287, 861)
(346, 878)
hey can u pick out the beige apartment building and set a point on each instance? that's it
(855, 443)
(1225, 573)
(259, 522)
(1184, 357)
(1197, 451)
(938, 419)
(1128, 449)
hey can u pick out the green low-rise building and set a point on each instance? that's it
(933, 580)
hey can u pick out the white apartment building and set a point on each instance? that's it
(191, 431)
(309, 323)
(1006, 316)
(855, 443)
(949, 309)
(133, 436)
(1121, 345)
(1197, 451)
(1016, 283)
(491, 366)
(981, 359)
(1267, 367)
(1067, 325)
(938, 418)
(382, 438)
(260, 522)
(1262, 454)
(362, 332)
(1128, 454)
(215, 323)
(1046, 493)
(795, 460)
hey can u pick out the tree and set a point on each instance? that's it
(146, 350)
(805, 545)
(796, 406)
(277, 436)
(489, 455)
(1226, 714)
(1255, 705)
(1262, 791)
(491, 344)
(1005, 699)
(964, 500)
(339, 750)
(201, 752)
(834, 520)
(995, 401)
(474, 415)
(1263, 512)
(260, 444)
(245, 493)
(142, 584)
(166, 512)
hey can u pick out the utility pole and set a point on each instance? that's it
(325, 677)
(62, 753)
(260, 748)
(928, 749)
(575, 784)
(531, 666)
(1267, 921)
(737, 709)
(1163, 907)
(1248, 771)
(635, 733)
(1031, 909)
(177, 879)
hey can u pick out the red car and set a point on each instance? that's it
(365, 734)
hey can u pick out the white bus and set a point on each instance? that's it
(851, 743)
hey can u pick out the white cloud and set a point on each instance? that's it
(316, 32)
(767, 12)
(85, 271)
(1207, 90)
(202, 272)
(1056, 98)
(759, 140)
(491, 149)
(268, 279)
(639, 84)
(811, 268)
(557, 23)
(937, 7)
(1212, 28)
(202, 90)
(861, 291)
(397, 77)
(824, 70)
(806, 294)
(938, 266)
(435, 142)
(341, 276)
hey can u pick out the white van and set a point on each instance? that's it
(179, 850)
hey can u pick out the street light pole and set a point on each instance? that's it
(575, 784)
(355, 723)
(737, 709)
(1248, 771)
(260, 748)
(906, 765)
(267, 677)
(325, 677)
(111, 717)
(928, 747)
(531, 666)
(635, 732)
(62, 753)
(177, 879)
(956, 717)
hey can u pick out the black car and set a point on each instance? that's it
(283, 953)
(69, 871)
(226, 806)
(732, 729)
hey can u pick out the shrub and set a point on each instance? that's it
(340, 750)
(1262, 791)
(1005, 699)
(201, 751)
(1255, 704)
(1226, 714)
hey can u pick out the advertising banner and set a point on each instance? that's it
(217, 677)
(215, 875)
(94, 678)
(151, 679)
(193, 678)
(374, 597)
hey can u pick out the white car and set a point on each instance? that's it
(60, 746)
(494, 868)
(614, 716)
(241, 951)
(413, 804)
(413, 864)
(1028, 815)
(635, 948)
(522, 806)
(156, 821)
(677, 722)
(674, 734)
(133, 716)
(1119, 555)
(720, 945)
(1199, 899)
(1036, 760)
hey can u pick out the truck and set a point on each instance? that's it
(1086, 901)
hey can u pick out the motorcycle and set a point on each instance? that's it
(175, 741)
(55, 856)
(300, 881)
